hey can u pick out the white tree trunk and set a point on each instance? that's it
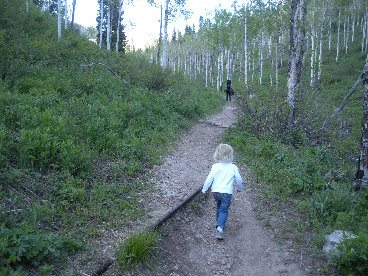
(66, 15)
(261, 61)
(101, 21)
(118, 26)
(338, 39)
(277, 62)
(207, 60)
(329, 35)
(270, 56)
(245, 47)
(27, 6)
(320, 56)
(312, 59)
(108, 31)
(164, 53)
(347, 35)
(295, 53)
(73, 13)
(363, 36)
(321, 47)
(59, 19)
(228, 65)
(218, 71)
(353, 29)
(253, 66)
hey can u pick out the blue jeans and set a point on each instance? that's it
(223, 202)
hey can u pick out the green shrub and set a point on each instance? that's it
(351, 256)
(24, 244)
(137, 249)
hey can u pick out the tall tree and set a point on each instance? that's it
(73, 13)
(66, 15)
(109, 25)
(298, 13)
(159, 40)
(171, 7)
(59, 19)
(245, 45)
(101, 21)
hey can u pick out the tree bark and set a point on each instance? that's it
(245, 47)
(118, 26)
(338, 39)
(362, 173)
(159, 40)
(59, 19)
(101, 21)
(66, 15)
(73, 13)
(295, 54)
(108, 31)
(164, 54)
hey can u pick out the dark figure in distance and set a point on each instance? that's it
(229, 90)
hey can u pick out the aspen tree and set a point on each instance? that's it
(73, 13)
(245, 45)
(66, 15)
(59, 19)
(338, 39)
(101, 21)
(296, 44)
(108, 31)
(118, 25)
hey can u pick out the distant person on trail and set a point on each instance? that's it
(229, 90)
(221, 177)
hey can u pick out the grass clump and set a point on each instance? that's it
(138, 248)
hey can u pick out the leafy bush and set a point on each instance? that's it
(137, 249)
(26, 244)
(351, 256)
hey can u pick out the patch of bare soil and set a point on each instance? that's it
(188, 245)
(257, 240)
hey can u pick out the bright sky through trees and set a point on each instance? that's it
(142, 20)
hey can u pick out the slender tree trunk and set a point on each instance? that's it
(295, 54)
(66, 15)
(312, 59)
(164, 54)
(260, 62)
(363, 158)
(108, 31)
(218, 71)
(363, 36)
(338, 39)
(245, 47)
(329, 35)
(228, 65)
(347, 35)
(353, 30)
(27, 6)
(118, 26)
(321, 47)
(59, 19)
(277, 61)
(101, 21)
(159, 40)
(73, 13)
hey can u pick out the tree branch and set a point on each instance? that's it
(337, 110)
(98, 63)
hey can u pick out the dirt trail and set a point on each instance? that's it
(189, 246)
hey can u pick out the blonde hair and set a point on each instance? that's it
(224, 152)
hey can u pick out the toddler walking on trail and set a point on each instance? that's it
(221, 178)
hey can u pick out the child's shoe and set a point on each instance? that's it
(219, 234)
